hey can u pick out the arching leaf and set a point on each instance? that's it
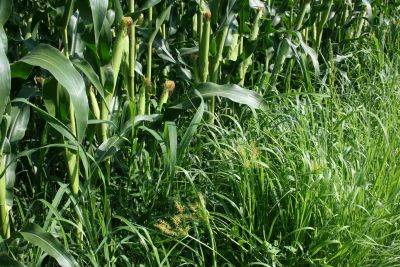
(191, 130)
(231, 91)
(51, 59)
(6, 261)
(5, 11)
(5, 80)
(99, 9)
(36, 235)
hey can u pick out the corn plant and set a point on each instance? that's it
(103, 104)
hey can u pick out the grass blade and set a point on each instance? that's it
(187, 137)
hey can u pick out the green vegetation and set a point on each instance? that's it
(200, 133)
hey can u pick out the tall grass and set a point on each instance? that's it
(127, 137)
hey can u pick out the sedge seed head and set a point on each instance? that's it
(179, 207)
(194, 207)
(164, 227)
(177, 220)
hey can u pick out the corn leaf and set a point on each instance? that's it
(87, 69)
(231, 91)
(159, 22)
(5, 80)
(19, 122)
(99, 9)
(36, 235)
(51, 120)
(172, 136)
(191, 130)
(6, 261)
(146, 5)
(51, 59)
(5, 10)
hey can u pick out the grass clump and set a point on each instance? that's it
(261, 133)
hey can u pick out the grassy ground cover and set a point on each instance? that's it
(286, 154)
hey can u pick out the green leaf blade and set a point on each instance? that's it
(84, 66)
(159, 22)
(5, 80)
(5, 11)
(6, 261)
(37, 236)
(61, 68)
(187, 137)
(231, 91)
(99, 9)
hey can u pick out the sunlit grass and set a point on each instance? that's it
(216, 133)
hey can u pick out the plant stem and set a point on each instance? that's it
(144, 94)
(323, 20)
(119, 48)
(203, 59)
(132, 62)
(360, 25)
(200, 21)
(71, 156)
(4, 219)
(149, 46)
(205, 47)
(93, 103)
(218, 58)
(300, 17)
(132, 54)
(253, 37)
(65, 20)
(282, 52)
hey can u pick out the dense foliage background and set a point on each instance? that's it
(203, 133)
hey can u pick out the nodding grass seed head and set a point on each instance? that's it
(164, 227)
(177, 220)
(254, 151)
(179, 207)
(194, 207)
(241, 150)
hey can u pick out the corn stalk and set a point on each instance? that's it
(4, 219)
(253, 36)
